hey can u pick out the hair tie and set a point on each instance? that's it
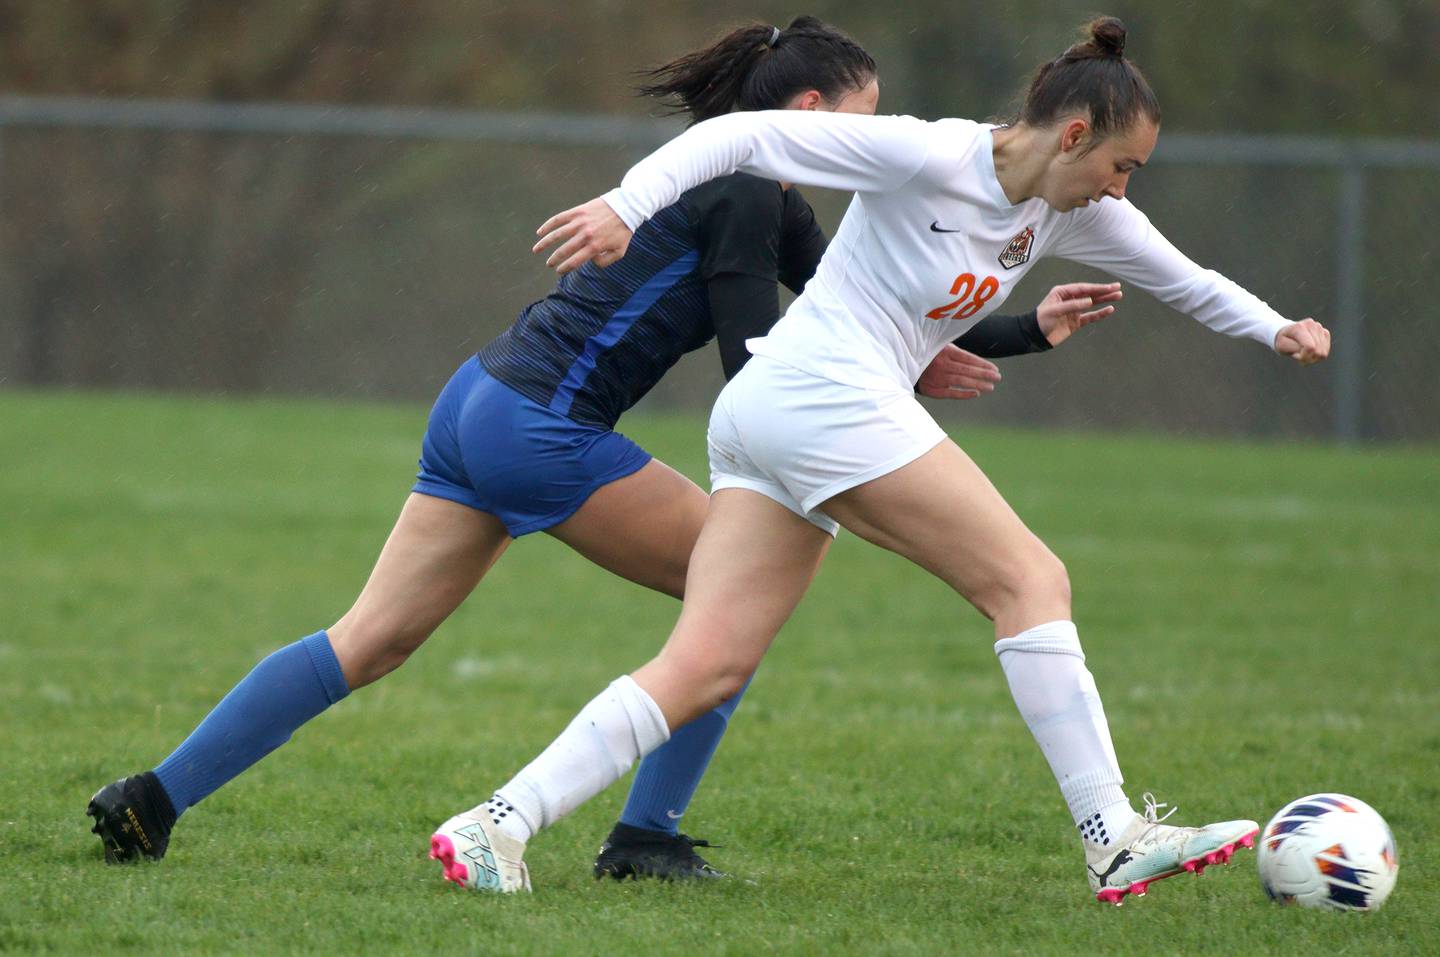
(774, 36)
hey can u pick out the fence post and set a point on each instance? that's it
(1350, 307)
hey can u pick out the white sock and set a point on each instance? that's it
(1057, 697)
(618, 727)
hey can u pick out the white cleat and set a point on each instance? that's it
(1150, 851)
(474, 853)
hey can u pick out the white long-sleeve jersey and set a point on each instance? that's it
(930, 244)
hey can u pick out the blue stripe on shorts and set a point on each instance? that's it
(492, 449)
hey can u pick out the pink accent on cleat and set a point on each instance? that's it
(1196, 866)
(442, 850)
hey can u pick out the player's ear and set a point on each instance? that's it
(812, 100)
(1074, 133)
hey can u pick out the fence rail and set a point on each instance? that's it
(1353, 160)
(561, 129)
(590, 130)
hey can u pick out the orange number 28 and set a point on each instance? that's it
(967, 305)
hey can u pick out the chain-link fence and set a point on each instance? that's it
(352, 252)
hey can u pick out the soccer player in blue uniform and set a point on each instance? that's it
(522, 440)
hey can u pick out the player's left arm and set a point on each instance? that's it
(1306, 341)
(1115, 236)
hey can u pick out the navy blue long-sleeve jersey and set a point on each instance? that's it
(604, 337)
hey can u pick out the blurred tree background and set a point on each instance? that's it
(354, 266)
(1357, 67)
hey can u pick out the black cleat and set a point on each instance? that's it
(133, 817)
(639, 852)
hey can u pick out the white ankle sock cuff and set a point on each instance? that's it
(618, 727)
(1051, 638)
(1087, 793)
(645, 715)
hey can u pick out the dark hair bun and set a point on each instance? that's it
(1108, 35)
(1092, 77)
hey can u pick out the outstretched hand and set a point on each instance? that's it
(588, 233)
(1068, 308)
(957, 374)
(1306, 341)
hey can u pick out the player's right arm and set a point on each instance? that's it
(844, 151)
(831, 150)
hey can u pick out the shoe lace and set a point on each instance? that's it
(1152, 807)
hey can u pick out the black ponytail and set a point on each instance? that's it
(1093, 77)
(760, 67)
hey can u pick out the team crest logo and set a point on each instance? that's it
(1018, 250)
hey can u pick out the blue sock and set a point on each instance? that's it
(669, 775)
(259, 714)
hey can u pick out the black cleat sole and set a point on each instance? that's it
(115, 852)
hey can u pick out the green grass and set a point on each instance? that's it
(1261, 621)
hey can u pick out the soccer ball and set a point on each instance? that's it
(1327, 850)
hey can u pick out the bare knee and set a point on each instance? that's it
(730, 682)
(1031, 585)
(716, 678)
(691, 679)
(369, 650)
(1052, 580)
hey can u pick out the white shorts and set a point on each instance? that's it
(800, 439)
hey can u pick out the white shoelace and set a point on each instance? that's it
(1152, 807)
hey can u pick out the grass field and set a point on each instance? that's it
(1261, 621)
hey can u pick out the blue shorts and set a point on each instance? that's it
(489, 447)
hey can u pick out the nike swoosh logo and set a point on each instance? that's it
(673, 816)
(935, 227)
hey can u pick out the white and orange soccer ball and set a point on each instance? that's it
(1328, 850)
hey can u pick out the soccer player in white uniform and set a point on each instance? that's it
(821, 429)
